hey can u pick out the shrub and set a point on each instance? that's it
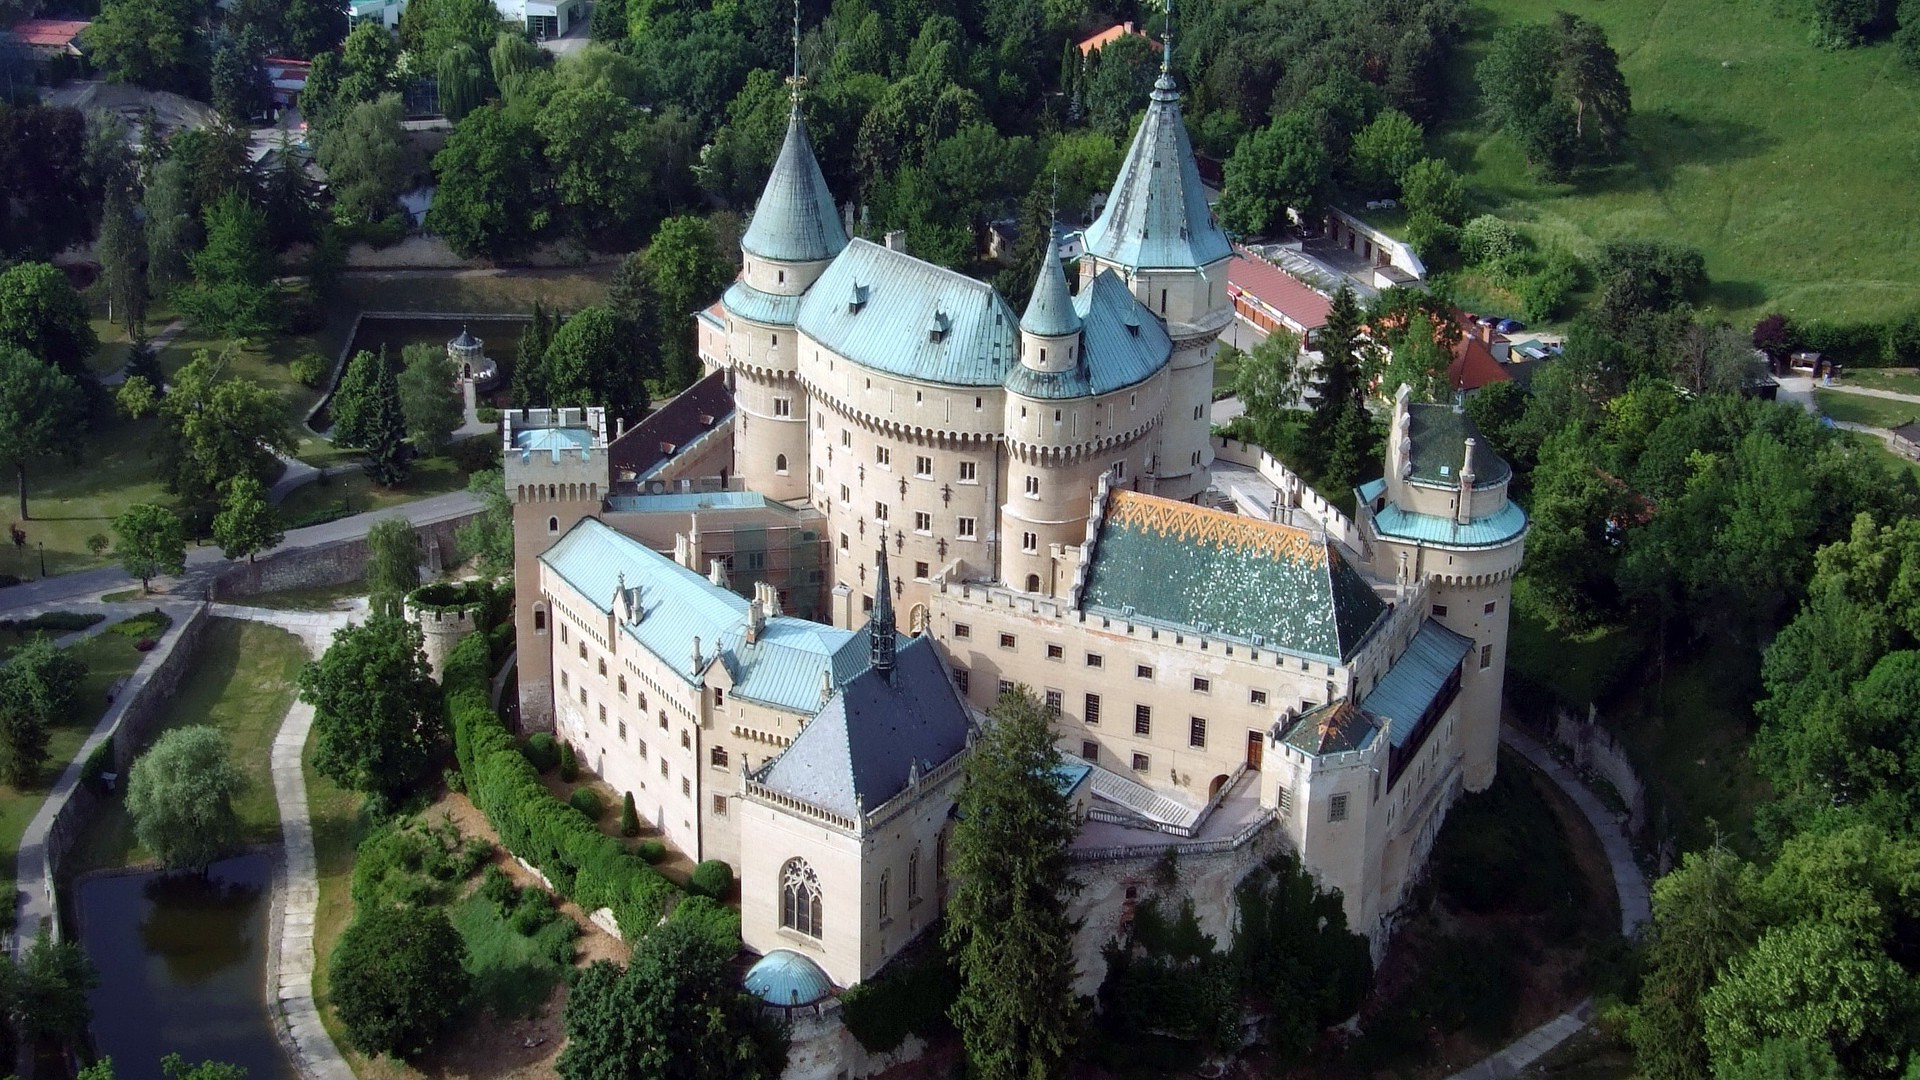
(531, 911)
(910, 997)
(542, 752)
(651, 851)
(398, 975)
(569, 765)
(712, 878)
(308, 370)
(478, 453)
(487, 414)
(64, 622)
(98, 544)
(454, 781)
(587, 802)
(1544, 294)
(99, 761)
(711, 919)
(629, 817)
(148, 624)
(1488, 239)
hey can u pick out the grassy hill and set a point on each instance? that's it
(1792, 169)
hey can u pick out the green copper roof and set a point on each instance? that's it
(796, 220)
(891, 312)
(1050, 313)
(1121, 344)
(1440, 435)
(743, 301)
(1223, 575)
(1497, 528)
(1157, 214)
(1416, 679)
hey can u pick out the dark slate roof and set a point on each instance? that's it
(1208, 571)
(1157, 215)
(861, 748)
(1334, 728)
(795, 220)
(698, 409)
(1440, 435)
(1122, 344)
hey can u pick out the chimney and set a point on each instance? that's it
(717, 572)
(696, 656)
(619, 426)
(768, 596)
(756, 619)
(826, 685)
(1485, 330)
(896, 240)
(1464, 513)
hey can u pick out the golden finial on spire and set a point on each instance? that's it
(795, 80)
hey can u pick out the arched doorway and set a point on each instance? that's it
(1218, 783)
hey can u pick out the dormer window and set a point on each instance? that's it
(857, 299)
(941, 324)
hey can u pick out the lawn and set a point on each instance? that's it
(354, 492)
(1898, 380)
(337, 829)
(1861, 409)
(1789, 167)
(109, 658)
(243, 682)
(1875, 447)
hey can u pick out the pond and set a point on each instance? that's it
(182, 960)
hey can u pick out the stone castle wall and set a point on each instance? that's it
(335, 563)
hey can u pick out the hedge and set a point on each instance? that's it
(1895, 342)
(594, 869)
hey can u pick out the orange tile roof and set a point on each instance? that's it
(1094, 42)
(1257, 278)
(49, 33)
(1474, 364)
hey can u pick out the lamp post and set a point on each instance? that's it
(43, 558)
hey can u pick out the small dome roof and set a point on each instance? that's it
(466, 340)
(784, 977)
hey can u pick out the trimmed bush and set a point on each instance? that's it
(712, 878)
(149, 624)
(60, 622)
(587, 802)
(398, 976)
(652, 851)
(542, 752)
(569, 765)
(710, 919)
(593, 869)
(629, 816)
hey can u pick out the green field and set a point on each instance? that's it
(1898, 380)
(1790, 168)
(1861, 409)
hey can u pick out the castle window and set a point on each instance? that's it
(717, 757)
(1090, 750)
(719, 806)
(782, 406)
(773, 341)
(1056, 416)
(940, 856)
(1197, 732)
(922, 523)
(663, 719)
(1094, 659)
(719, 697)
(1055, 652)
(1163, 301)
(686, 741)
(1008, 641)
(1092, 712)
(603, 714)
(1488, 610)
(780, 464)
(846, 438)
(962, 630)
(1006, 687)
(623, 686)
(1257, 697)
(1337, 808)
(1141, 763)
(846, 493)
(923, 467)
(969, 473)
(886, 886)
(643, 701)
(1486, 657)
(780, 277)
(1119, 470)
(883, 456)
(913, 877)
(1033, 582)
(961, 680)
(1439, 611)
(539, 620)
(1143, 720)
(1196, 457)
(1142, 671)
(1043, 354)
(1029, 543)
(965, 528)
(583, 697)
(800, 907)
(1202, 686)
(1053, 704)
(880, 511)
(919, 571)
(1033, 487)
(563, 633)
(663, 768)
(563, 680)
(583, 650)
(686, 788)
(553, 524)
(1196, 412)
(603, 667)
(843, 541)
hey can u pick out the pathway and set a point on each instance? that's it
(1629, 883)
(159, 341)
(1530, 1047)
(1867, 391)
(290, 974)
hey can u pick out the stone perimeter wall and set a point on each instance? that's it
(328, 564)
(126, 722)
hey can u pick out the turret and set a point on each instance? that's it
(1050, 329)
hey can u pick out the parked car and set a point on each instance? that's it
(1508, 326)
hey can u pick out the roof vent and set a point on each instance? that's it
(857, 299)
(941, 324)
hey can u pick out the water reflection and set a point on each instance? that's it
(182, 961)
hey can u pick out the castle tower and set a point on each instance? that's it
(1442, 512)
(1159, 235)
(1045, 502)
(557, 472)
(794, 234)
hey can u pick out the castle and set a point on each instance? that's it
(964, 501)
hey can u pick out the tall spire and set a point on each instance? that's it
(1050, 311)
(796, 219)
(1166, 43)
(880, 623)
(794, 82)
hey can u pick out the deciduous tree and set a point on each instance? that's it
(367, 159)
(591, 363)
(393, 564)
(396, 978)
(376, 709)
(688, 270)
(1384, 150)
(247, 524)
(218, 428)
(42, 412)
(490, 201)
(123, 262)
(40, 312)
(151, 542)
(488, 537)
(39, 686)
(1007, 921)
(152, 43)
(1280, 167)
(180, 796)
(430, 399)
(46, 990)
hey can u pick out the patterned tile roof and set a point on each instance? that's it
(1334, 728)
(1121, 344)
(1440, 435)
(795, 220)
(1404, 693)
(861, 750)
(1208, 571)
(747, 302)
(676, 606)
(891, 312)
(1157, 214)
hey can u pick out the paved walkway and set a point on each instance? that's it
(1629, 884)
(290, 976)
(1867, 391)
(159, 341)
(1530, 1047)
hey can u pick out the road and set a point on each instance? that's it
(204, 563)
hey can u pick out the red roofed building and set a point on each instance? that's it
(1093, 43)
(1475, 363)
(49, 38)
(1270, 298)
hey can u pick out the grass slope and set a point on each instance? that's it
(1863, 409)
(1790, 168)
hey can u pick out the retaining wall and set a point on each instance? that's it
(336, 563)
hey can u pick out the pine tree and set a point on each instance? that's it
(1007, 923)
(123, 262)
(530, 370)
(1340, 409)
(386, 429)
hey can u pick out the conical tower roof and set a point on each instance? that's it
(1050, 312)
(880, 623)
(796, 220)
(1157, 216)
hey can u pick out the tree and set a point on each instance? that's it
(46, 991)
(239, 82)
(593, 145)
(589, 363)
(1436, 203)
(1338, 446)
(247, 524)
(180, 796)
(1384, 150)
(676, 1011)
(151, 543)
(430, 399)
(375, 707)
(393, 564)
(1519, 86)
(173, 229)
(173, 1066)
(462, 82)
(367, 414)
(1268, 384)
(429, 29)
(218, 428)
(39, 686)
(233, 291)
(396, 977)
(530, 364)
(1283, 166)
(491, 200)
(1701, 920)
(367, 159)
(152, 43)
(123, 262)
(42, 412)
(488, 535)
(688, 271)
(1007, 921)
(40, 312)
(1589, 76)
(1122, 72)
(369, 68)
(47, 178)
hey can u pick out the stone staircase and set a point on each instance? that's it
(1130, 798)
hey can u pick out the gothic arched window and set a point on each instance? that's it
(800, 898)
